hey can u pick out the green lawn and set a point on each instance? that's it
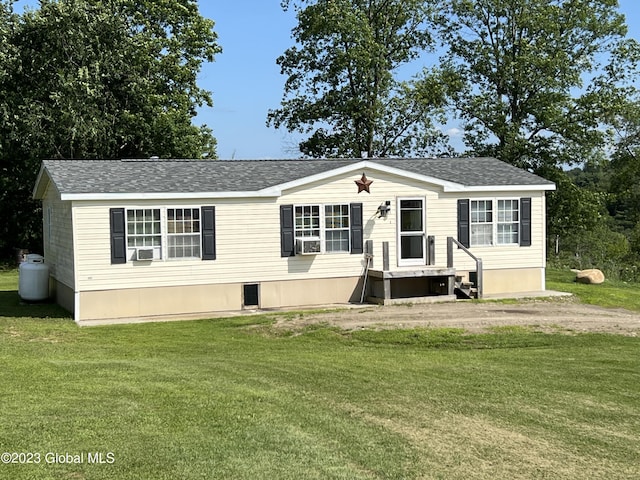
(610, 294)
(234, 399)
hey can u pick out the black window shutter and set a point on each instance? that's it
(208, 233)
(118, 236)
(463, 222)
(525, 222)
(287, 240)
(356, 228)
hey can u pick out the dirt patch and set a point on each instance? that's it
(560, 315)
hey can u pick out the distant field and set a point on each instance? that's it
(239, 399)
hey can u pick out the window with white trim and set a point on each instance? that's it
(144, 231)
(508, 222)
(336, 223)
(183, 233)
(481, 222)
(307, 221)
(329, 223)
(171, 233)
(501, 228)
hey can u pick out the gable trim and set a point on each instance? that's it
(42, 183)
(365, 164)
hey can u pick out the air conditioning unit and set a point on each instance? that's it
(144, 253)
(308, 246)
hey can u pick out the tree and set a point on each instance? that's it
(520, 63)
(342, 87)
(97, 79)
(115, 78)
(625, 168)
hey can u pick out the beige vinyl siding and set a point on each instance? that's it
(502, 256)
(385, 187)
(247, 250)
(241, 239)
(248, 237)
(58, 236)
(441, 218)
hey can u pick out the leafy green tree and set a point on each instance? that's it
(625, 171)
(571, 209)
(115, 78)
(97, 79)
(342, 88)
(521, 63)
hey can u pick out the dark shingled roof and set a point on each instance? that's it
(192, 176)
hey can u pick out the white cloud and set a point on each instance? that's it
(454, 132)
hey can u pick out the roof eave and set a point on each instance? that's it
(271, 192)
(502, 188)
(166, 195)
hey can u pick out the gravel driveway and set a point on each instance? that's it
(557, 314)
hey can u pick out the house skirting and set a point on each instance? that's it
(187, 301)
(194, 301)
(513, 280)
(62, 293)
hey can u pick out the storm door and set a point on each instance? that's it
(411, 232)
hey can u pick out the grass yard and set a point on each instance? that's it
(610, 294)
(236, 399)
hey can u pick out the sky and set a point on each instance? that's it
(245, 80)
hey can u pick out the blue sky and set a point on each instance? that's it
(246, 81)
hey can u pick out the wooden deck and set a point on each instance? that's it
(415, 285)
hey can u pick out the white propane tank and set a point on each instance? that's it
(33, 279)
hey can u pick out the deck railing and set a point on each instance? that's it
(450, 242)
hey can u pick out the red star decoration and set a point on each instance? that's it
(363, 184)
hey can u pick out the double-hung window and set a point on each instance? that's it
(183, 233)
(501, 228)
(336, 223)
(180, 233)
(328, 223)
(508, 222)
(481, 222)
(307, 221)
(495, 221)
(144, 231)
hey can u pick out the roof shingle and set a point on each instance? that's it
(214, 176)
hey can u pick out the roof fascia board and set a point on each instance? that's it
(503, 188)
(38, 190)
(164, 196)
(272, 192)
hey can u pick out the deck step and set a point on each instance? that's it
(465, 290)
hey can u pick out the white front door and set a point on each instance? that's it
(411, 232)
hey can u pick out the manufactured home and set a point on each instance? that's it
(128, 239)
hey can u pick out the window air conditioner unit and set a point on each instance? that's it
(144, 254)
(307, 246)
